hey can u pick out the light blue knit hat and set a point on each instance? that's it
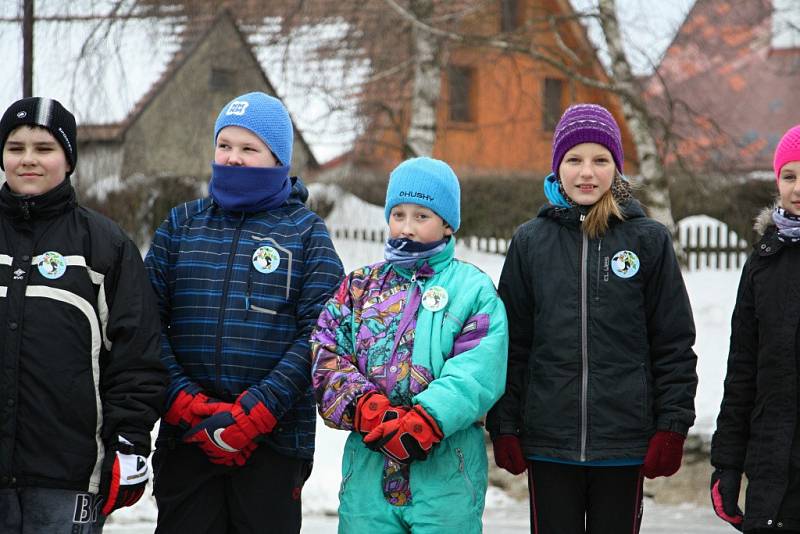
(427, 182)
(265, 116)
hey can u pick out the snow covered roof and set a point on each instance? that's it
(97, 70)
(107, 73)
(733, 91)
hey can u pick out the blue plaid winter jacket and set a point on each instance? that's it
(239, 294)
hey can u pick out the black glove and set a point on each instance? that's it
(125, 475)
(725, 485)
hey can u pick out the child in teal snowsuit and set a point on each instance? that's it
(409, 355)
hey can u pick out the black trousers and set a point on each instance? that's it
(194, 495)
(571, 499)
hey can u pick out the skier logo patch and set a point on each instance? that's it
(625, 264)
(435, 298)
(266, 259)
(52, 265)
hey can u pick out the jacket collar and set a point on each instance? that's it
(45, 206)
(571, 216)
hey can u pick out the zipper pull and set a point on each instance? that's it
(247, 296)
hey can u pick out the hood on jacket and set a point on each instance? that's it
(299, 190)
(764, 219)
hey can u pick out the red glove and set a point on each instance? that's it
(188, 410)
(508, 454)
(228, 437)
(373, 409)
(125, 475)
(725, 484)
(408, 438)
(664, 454)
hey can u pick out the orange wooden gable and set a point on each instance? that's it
(503, 131)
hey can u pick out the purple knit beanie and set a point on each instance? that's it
(788, 149)
(586, 123)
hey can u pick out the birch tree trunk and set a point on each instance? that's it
(654, 177)
(427, 83)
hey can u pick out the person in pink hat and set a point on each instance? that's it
(757, 428)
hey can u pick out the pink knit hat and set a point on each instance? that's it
(788, 149)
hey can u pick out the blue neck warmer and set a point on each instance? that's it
(406, 253)
(249, 189)
(553, 193)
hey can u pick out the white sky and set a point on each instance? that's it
(648, 27)
(140, 50)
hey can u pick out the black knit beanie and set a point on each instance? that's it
(47, 113)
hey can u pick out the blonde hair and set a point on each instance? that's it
(596, 222)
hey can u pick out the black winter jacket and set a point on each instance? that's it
(601, 335)
(757, 428)
(79, 342)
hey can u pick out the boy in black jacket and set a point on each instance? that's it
(81, 380)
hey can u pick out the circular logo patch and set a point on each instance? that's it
(435, 298)
(22, 114)
(52, 265)
(625, 264)
(266, 259)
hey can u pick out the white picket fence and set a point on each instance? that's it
(708, 243)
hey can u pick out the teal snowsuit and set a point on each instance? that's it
(451, 359)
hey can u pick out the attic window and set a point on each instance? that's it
(551, 111)
(220, 79)
(509, 15)
(460, 94)
(785, 24)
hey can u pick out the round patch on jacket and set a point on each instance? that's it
(266, 259)
(52, 265)
(625, 263)
(435, 298)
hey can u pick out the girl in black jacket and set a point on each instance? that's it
(601, 377)
(757, 428)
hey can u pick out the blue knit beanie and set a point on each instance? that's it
(265, 116)
(427, 182)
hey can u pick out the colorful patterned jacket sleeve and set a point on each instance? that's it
(337, 380)
(474, 377)
(289, 380)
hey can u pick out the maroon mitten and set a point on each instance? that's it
(664, 454)
(508, 454)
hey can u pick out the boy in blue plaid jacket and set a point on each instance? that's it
(241, 277)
